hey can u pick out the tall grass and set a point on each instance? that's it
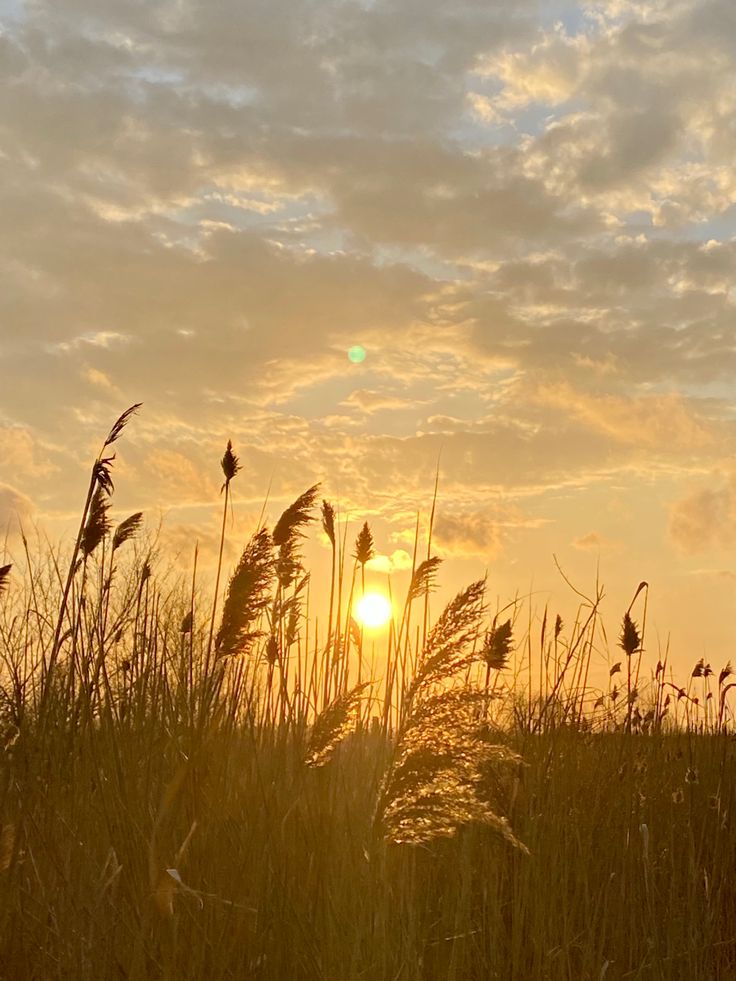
(201, 787)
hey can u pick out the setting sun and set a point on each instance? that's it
(373, 610)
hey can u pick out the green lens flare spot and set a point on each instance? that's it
(356, 354)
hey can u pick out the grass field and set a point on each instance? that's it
(191, 789)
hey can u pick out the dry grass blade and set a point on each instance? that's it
(126, 530)
(7, 846)
(332, 725)
(247, 595)
(98, 522)
(4, 576)
(121, 423)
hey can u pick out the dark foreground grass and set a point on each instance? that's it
(630, 872)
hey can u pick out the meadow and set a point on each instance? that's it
(218, 784)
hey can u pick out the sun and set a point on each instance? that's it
(373, 610)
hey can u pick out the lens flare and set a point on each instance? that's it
(357, 353)
(373, 610)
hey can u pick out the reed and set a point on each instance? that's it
(168, 812)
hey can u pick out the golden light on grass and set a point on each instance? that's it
(373, 610)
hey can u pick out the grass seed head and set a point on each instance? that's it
(423, 579)
(121, 423)
(364, 550)
(98, 522)
(328, 521)
(630, 640)
(230, 464)
(126, 530)
(247, 596)
(332, 725)
(497, 646)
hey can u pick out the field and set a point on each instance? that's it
(191, 789)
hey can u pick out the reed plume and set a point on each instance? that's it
(328, 521)
(439, 780)
(423, 579)
(126, 530)
(230, 467)
(332, 725)
(247, 596)
(120, 424)
(497, 646)
(629, 639)
(230, 464)
(100, 482)
(438, 777)
(364, 550)
(287, 533)
(98, 523)
(446, 651)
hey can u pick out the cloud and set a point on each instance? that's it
(526, 225)
(15, 508)
(592, 542)
(705, 518)
(654, 422)
(397, 561)
(470, 534)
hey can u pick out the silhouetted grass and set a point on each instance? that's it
(184, 796)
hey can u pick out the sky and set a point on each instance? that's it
(524, 213)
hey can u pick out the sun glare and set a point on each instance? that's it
(373, 610)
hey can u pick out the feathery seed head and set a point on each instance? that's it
(286, 535)
(126, 530)
(121, 423)
(98, 522)
(328, 521)
(295, 517)
(497, 646)
(230, 464)
(272, 650)
(247, 596)
(103, 475)
(332, 724)
(423, 579)
(364, 550)
(629, 641)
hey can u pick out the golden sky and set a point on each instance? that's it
(524, 213)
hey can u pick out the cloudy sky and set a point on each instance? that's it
(525, 213)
